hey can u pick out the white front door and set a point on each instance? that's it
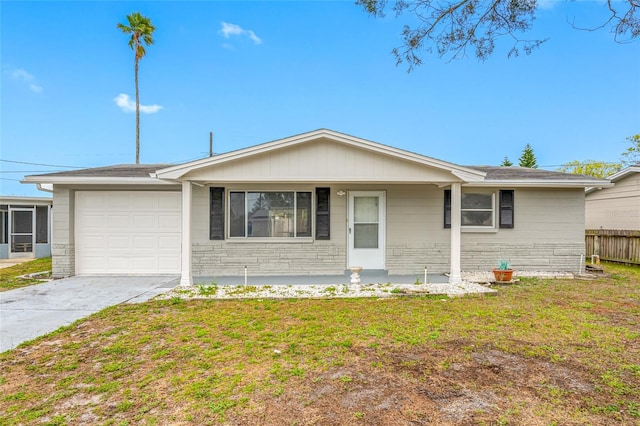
(366, 229)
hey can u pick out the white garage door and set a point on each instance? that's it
(127, 232)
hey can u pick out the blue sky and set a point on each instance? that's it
(252, 72)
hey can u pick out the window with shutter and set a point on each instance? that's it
(506, 208)
(323, 220)
(216, 221)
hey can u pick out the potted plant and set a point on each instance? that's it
(503, 273)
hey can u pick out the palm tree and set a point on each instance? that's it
(141, 30)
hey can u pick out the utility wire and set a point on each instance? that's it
(40, 164)
(25, 171)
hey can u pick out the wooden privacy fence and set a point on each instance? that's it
(613, 244)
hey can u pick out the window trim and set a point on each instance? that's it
(493, 211)
(247, 238)
(498, 207)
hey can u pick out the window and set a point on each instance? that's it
(269, 214)
(42, 224)
(478, 209)
(4, 224)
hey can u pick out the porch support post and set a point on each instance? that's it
(185, 278)
(456, 195)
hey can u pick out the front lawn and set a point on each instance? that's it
(9, 276)
(541, 352)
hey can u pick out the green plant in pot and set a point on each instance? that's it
(503, 273)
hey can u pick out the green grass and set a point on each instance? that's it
(9, 276)
(548, 351)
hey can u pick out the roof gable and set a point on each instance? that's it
(322, 155)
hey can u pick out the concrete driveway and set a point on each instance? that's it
(29, 312)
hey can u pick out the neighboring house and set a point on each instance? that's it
(314, 203)
(616, 207)
(25, 227)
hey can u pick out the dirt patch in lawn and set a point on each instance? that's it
(416, 388)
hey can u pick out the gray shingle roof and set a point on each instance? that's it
(119, 170)
(494, 173)
(524, 173)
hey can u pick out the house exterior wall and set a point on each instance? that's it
(62, 235)
(615, 208)
(548, 235)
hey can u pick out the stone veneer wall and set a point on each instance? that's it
(525, 256)
(220, 259)
(63, 260)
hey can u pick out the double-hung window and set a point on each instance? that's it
(478, 209)
(270, 214)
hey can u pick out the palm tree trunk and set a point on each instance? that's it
(137, 113)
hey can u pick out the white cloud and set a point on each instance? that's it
(127, 105)
(546, 4)
(229, 30)
(23, 76)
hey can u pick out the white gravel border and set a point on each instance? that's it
(324, 291)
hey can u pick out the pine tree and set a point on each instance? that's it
(528, 158)
(506, 162)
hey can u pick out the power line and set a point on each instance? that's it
(25, 171)
(40, 164)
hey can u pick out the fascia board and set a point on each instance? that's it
(88, 180)
(623, 173)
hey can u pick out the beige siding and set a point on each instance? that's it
(617, 207)
(548, 234)
(62, 234)
(323, 160)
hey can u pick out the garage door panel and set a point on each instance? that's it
(169, 221)
(145, 221)
(169, 242)
(119, 242)
(169, 203)
(93, 201)
(93, 221)
(128, 232)
(122, 221)
(95, 243)
(144, 242)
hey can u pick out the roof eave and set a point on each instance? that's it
(93, 180)
(540, 184)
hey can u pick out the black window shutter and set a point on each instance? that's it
(216, 222)
(447, 208)
(323, 218)
(506, 208)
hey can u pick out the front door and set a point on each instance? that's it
(21, 225)
(366, 229)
